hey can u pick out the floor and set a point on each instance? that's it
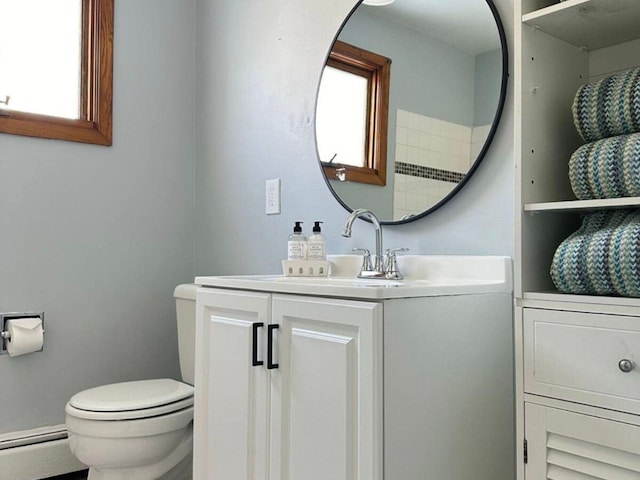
(71, 476)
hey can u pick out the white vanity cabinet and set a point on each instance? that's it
(577, 411)
(289, 387)
(343, 379)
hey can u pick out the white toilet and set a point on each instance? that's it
(140, 430)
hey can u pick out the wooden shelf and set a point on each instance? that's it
(591, 24)
(583, 205)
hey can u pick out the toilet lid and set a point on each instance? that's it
(171, 408)
(128, 396)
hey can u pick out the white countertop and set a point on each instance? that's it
(425, 276)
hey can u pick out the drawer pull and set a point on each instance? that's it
(626, 365)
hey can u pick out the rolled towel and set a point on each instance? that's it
(607, 168)
(602, 257)
(608, 107)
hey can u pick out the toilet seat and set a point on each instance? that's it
(131, 400)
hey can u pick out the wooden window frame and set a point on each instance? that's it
(96, 112)
(377, 70)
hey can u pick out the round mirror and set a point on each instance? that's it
(408, 104)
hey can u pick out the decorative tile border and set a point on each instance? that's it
(428, 172)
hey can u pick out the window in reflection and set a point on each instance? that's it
(342, 117)
(352, 115)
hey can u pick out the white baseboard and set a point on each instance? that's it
(37, 454)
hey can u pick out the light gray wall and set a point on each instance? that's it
(487, 87)
(259, 64)
(97, 237)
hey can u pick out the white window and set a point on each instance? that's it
(40, 56)
(56, 77)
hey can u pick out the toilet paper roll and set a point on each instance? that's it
(26, 336)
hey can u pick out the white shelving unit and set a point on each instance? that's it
(554, 56)
(568, 428)
(583, 205)
(590, 24)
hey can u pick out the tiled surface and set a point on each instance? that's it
(478, 137)
(431, 157)
(415, 194)
(430, 142)
(428, 172)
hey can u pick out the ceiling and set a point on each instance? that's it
(465, 24)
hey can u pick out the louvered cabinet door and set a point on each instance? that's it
(564, 445)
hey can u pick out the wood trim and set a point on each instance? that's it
(102, 81)
(377, 69)
(96, 124)
(355, 174)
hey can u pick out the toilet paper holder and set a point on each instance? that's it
(5, 317)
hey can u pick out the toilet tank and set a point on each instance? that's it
(185, 296)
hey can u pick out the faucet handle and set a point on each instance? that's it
(392, 271)
(366, 259)
(391, 252)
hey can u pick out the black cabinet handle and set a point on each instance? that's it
(255, 362)
(270, 329)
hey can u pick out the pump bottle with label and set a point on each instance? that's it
(316, 246)
(297, 245)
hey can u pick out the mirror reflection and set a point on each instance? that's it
(445, 93)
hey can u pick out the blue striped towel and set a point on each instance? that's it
(602, 257)
(607, 168)
(608, 107)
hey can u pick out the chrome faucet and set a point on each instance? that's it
(375, 270)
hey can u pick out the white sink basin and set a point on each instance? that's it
(424, 275)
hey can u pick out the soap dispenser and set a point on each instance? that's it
(316, 244)
(297, 245)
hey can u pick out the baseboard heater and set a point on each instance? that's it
(31, 437)
(39, 453)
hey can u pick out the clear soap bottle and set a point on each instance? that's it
(297, 245)
(316, 249)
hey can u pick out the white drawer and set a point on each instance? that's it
(575, 356)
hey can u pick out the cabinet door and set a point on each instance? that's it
(566, 445)
(326, 394)
(231, 402)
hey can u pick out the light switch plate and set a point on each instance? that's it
(272, 196)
